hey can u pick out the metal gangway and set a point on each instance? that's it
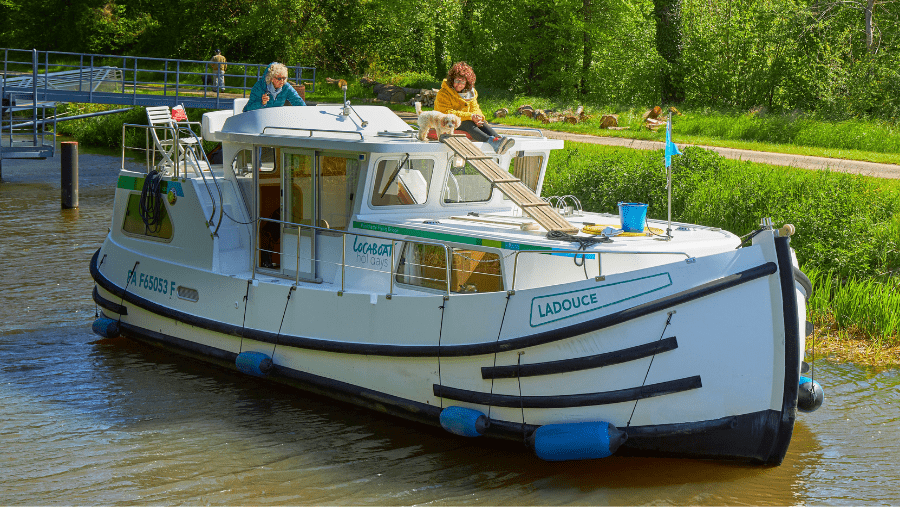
(33, 82)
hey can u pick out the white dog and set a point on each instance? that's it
(440, 122)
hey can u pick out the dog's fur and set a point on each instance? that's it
(440, 122)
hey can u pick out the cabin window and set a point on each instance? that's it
(470, 270)
(242, 163)
(338, 179)
(267, 160)
(402, 181)
(242, 166)
(466, 184)
(134, 224)
(528, 169)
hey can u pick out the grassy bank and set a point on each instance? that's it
(848, 227)
(791, 132)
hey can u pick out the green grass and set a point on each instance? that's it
(869, 140)
(868, 307)
(848, 226)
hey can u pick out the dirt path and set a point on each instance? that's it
(799, 161)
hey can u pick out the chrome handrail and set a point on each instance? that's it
(312, 131)
(151, 162)
(447, 255)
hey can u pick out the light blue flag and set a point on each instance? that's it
(671, 149)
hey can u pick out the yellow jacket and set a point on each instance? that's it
(219, 64)
(448, 101)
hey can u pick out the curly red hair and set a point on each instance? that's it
(463, 70)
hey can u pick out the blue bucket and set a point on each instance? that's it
(633, 216)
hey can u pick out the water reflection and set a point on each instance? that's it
(89, 421)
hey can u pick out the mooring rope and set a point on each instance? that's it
(521, 401)
(647, 374)
(499, 332)
(293, 288)
(244, 321)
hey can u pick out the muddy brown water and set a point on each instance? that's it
(91, 421)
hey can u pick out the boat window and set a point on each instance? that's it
(402, 181)
(466, 184)
(242, 166)
(528, 169)
(470, 270)
(267, 160)
(134, 224)
(338, 179)
(243, 163)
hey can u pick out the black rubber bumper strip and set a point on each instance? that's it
(107, 304)
(569, 400)
(580, 363)
(475, 349)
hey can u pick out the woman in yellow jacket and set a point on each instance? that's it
(458, 96)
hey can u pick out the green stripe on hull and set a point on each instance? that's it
(132, 183)
(440, 236)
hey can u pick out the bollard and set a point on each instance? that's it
(68, 174)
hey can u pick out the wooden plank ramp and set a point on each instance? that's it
(541, 211)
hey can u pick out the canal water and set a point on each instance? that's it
(90, 421)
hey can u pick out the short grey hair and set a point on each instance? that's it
(275, 69)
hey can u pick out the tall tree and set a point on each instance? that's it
(668, 44)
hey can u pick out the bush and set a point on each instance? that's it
(846, 224)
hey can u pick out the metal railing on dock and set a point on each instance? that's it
(133, 80)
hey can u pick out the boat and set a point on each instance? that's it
(332, 250)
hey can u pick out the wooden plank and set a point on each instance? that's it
(542, 212)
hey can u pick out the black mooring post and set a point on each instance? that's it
(68, 174)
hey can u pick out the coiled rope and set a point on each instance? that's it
(152, 208)
(584, 242)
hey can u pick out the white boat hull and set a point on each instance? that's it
(673, 356)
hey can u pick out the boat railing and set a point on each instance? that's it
(180, 134)
(314, 131)
(343, 264)
(447, 253)
(584, 254)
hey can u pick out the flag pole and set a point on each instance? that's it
(669, 178)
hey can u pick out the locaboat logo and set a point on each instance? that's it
(546, 309)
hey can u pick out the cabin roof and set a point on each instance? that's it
(323, 117)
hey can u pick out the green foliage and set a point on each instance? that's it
(801, 130)
(867, 305)
(112, 29)
(105, 130)
(846, 224)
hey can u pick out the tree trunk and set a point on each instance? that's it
(588, 46)
(668, 45)
(870, 39)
